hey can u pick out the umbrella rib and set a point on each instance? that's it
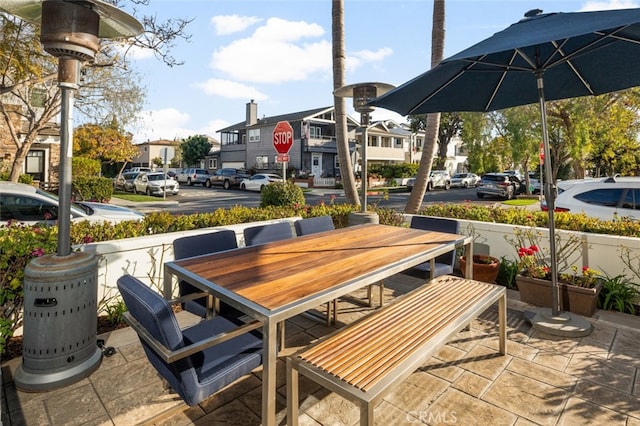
(502, 77)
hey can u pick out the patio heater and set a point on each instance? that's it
(362, 94)
(60, 291)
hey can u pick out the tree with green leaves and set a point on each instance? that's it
(194, 149)
(108, 88)
(107, 144)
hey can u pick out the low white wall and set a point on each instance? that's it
(143, 257)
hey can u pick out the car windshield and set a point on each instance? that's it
(156, 177)
(496, 178)
(80, 209)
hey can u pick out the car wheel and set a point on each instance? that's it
(189, 182)
(149, 192)
(466, 185)
(226, 184)
(481, 196)
(261, 188)
(243, 187)
(447, 185)
(429, 186)
(207, 183)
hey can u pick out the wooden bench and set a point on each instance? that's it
(364, 360)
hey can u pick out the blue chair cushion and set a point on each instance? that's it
(313, 225)
(267, 233)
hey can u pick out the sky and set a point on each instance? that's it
(278, 53)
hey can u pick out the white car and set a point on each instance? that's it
(464, 180)
(29, 205)
(258, 181)
(155, 184)
(601, 198)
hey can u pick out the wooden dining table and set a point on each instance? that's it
(276, 281)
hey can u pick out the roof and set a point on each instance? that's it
(294, 116)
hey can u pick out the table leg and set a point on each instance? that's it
(270, 345)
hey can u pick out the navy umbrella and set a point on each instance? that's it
(542, 57)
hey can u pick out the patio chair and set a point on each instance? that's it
(445, 263)
(196, 245)
(270, 232)
(196, 361)
(313, 225)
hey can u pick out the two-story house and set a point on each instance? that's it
(249, 143)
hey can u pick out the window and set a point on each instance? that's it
(254, 135)
(604, 197)
(632, 199)
(213, 163)
(397, 142)
(262, 162)
(315, 132)
(35, 165)
(336, 161)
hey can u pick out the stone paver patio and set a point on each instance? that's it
(543, 380)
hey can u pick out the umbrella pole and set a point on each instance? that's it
(550, 195)
(552, 321)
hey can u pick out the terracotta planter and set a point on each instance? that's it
(579, 300)
(482, 269)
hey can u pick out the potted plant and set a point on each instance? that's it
(485, 268)
(578, 290)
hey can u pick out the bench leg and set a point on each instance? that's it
(292, 394)
(366, 414)
(502, 321)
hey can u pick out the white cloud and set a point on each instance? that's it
(133, 52)
(357, 59)
(608, 5)
(275, 53)
(165, 123)
(230, 89)
(229, 24)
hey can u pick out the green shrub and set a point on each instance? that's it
(282, 194)
(618, 294)
(85, 167)
(92, 189)
(23, 178)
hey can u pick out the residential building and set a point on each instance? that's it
(43, 159)
(249, 144)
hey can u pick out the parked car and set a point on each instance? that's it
(227, 178)
(259, 181)
(124, 181)
(601, 198)
(464, 180)
(139, 169)
(155, 184)
(29, 205)
(194, 176)
(501, 185)
(437, 179)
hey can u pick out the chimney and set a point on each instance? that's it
(252, 113)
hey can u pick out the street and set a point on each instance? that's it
(196, 199)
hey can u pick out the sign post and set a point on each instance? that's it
(282, 142)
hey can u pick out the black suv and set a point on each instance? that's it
(500, 185)
(227, 178)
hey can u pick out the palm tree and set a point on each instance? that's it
(433, 120)
(337, 36)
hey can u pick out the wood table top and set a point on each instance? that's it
(279, 273)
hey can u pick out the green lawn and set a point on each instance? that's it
(521, 202)
(134, 197)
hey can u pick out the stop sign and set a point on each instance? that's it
(283, 137)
